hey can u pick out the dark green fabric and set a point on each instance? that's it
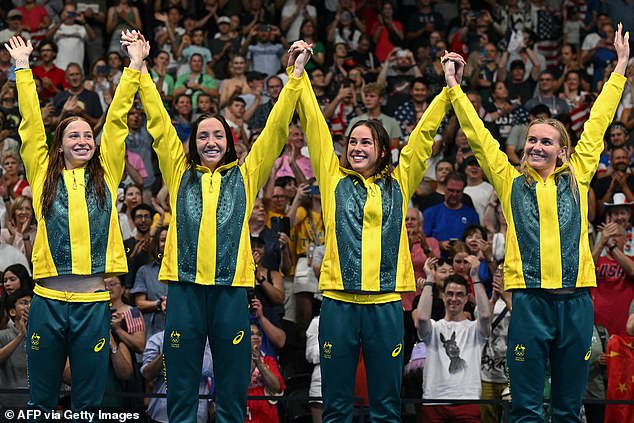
(59, 329)
(232, 204)
(99, 222)
(378, 330)
(569, 214)
(189, 209)
(350, 198)
(392, 222)
(195, 312)
(58, 230)
(555, 328)
(526, 220)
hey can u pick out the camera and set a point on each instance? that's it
(250, 298)
(313, 190)
(281, 224)
(401, 53)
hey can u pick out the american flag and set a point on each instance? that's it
(134, 320)
(549, 34)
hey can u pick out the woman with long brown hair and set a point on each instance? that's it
(367, 261)
(78, 241)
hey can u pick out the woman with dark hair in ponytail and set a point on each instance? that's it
(78, 241)
(367, 263)
(207, 256)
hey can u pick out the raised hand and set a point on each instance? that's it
(298, 55)
(622, 47)
(430, 268)
(453, 65)
(19, 51)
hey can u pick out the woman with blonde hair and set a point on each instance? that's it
(548, 262)
(21, 227)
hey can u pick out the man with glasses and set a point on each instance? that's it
(53, 78)
(454, 345)
(546, 95)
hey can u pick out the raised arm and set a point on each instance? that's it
(493, 161)
(412, 163)
(482, 301)
(115, 129)
(34, 151)
(168, 147)
(267, 148)
(587, 152)
(423, 310)
(323, 159)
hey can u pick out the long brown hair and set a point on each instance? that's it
(564, 142)
(56, 165)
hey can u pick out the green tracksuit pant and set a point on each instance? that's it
(79, 331)
(195, 313)
(343, 329)
(549, 327)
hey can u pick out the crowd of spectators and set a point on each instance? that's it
(372, 60)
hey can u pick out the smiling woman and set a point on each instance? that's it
(207, 257)
(548, 260)
(367, 260)
(74, 184)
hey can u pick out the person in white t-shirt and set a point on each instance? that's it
(293, 14)
(70, 35)
(477, 188)
(454, 345)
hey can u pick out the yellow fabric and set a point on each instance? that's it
(304, 230)
(408, 174)
(255, 171)
(34, 153)
(71, 297)
(350, 297)
(502, 174)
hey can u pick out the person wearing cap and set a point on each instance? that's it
(614, 267)
(548, 259)
(14, 27)
(222, 45)
(264, 53)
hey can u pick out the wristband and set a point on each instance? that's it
(612, 247)
(476, 282)
(428, 283)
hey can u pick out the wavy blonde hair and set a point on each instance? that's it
(564, 142)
